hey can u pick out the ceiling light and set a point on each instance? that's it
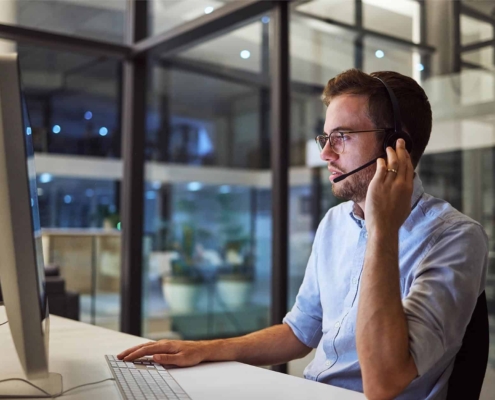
(265, 19)
(194, 186)
(245, 54)
(420, 67)
(45, 178)
(209, 10)
(28, 131)
(67, 199)
(56, 129)
(379, 54)
(103, 131)
(88, 115)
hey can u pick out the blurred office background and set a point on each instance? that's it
(206, 240)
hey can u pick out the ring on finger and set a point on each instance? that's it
(392, 170)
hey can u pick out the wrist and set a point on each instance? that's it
(211, 350)
(383, 234)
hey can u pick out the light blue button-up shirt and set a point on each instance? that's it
(443, 259)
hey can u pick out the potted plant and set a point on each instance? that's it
(235, 279)
(183, 283)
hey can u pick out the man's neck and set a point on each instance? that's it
(359, 209)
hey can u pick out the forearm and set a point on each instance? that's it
(271, 346)
(382, 337)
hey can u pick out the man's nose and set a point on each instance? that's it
(328, 154)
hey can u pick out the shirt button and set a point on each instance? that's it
(337, 324)
(354, 281)
(366, 235)
(327, 363)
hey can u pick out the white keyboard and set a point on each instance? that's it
(144, 379)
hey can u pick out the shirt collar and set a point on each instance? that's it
(418, 191)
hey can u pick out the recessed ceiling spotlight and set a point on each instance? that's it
(245, 54)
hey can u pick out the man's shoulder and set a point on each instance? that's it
(443, 217)
(439, 209)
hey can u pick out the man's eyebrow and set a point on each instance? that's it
(341, 128)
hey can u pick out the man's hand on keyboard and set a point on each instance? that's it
(168, 352)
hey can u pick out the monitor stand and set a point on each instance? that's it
(20, 389)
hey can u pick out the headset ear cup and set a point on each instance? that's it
(391, 140)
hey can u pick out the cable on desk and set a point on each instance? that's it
(3, 323)
(48, 395)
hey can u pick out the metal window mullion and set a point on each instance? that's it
(280, 124)
(359, 41)
(135, 74)
(63, 42)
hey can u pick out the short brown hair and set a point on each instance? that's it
(415, 109)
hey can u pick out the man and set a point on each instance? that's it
(394, 273)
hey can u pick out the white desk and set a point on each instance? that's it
(77, 352)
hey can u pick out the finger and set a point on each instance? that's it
(381, 170)
(392, 163)
(392, 160)
(402, 159)
(132, 349)
(147, 351)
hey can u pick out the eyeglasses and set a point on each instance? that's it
(338, 139)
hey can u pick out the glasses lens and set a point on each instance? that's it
(337, 142)
(322, 141)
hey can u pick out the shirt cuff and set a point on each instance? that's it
(306, 328)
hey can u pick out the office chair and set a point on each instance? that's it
(471, 360)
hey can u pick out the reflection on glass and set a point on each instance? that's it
(474, 30)
(240, 49)
(207, 276)
(80, 224)
(319, 51)
(199, 120)
(167, 14)
(382, 56)
(72, 101)
(338, 10)
(96, 19)
(398, 18)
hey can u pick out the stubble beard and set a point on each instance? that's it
(355, 187)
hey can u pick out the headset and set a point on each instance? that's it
(391, 134)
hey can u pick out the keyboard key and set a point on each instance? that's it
(151, 382)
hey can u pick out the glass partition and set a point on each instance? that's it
(73, 102)
(207, 200)
(95, 19)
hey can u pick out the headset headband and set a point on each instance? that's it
(395, 107)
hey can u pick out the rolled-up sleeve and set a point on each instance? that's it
(444, 292)
(305, 317)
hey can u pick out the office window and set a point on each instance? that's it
(398, 18)
(95, 19)
(318, 51)
(74, 107)
(73, 102)
(207, 229)
(337, 10)
(382, 56)
(167, 14)
(80, 224)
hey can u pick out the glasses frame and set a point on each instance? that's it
(327, 138)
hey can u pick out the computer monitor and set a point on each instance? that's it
(21, 262)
